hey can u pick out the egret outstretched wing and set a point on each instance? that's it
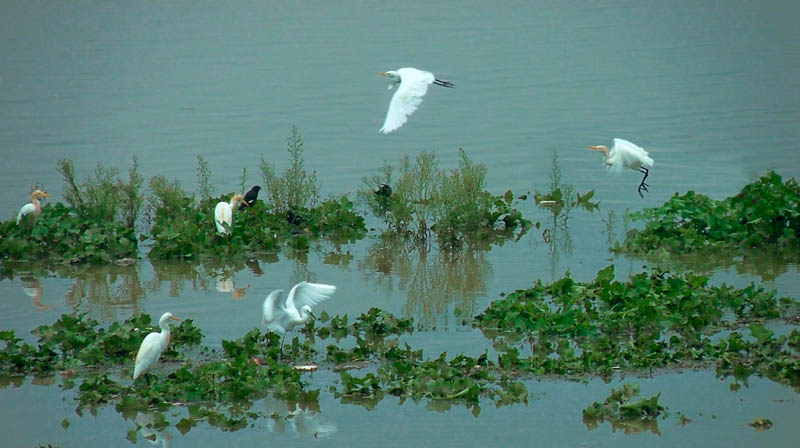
(310, 294)
(413, 86)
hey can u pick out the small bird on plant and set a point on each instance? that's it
(250, 197)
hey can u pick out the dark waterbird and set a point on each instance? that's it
(250, 197)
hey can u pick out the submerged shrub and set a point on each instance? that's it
(295, 188)
(450, 205)
(764, 215)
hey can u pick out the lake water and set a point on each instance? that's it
(709, 88)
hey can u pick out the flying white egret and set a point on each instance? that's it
(34, 207)
(625, 154)
(223, 212)
(413, 86)
(152, 346)
(281, 316)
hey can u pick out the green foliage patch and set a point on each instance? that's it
(763, 215)
(653, 320)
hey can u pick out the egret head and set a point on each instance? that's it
(600, 148)
(39, 194)
(239, 199)
(167, 316)
(307, 310)
(393, 75)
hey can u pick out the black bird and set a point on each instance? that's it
(250, 197)
(294, 218)
(384, 191)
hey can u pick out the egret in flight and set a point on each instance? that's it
(413, 86)
(223, 212)
(152, 346)
(34, 207)
(281, 316)
(625, 154)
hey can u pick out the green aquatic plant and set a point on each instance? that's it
(621, 413)
(653, 320)
(763, 215)
(78, 342)
(295, 188)
(97, 225)
(452, 206)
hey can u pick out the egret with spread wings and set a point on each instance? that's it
(413, 86)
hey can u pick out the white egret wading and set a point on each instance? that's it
(33, 207)
(152, 346)
(625, 154)
(413, 86)
(281, 316)
(223, 212)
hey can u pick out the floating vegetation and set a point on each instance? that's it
(451, 205)
(97, 225)
(622, 414)
(654, 320)
(760, 424)
(75, 342)
(183, 228)
(764, 215)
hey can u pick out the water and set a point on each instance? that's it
(709, 89)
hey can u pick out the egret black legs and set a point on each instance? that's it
(442, 83)
(642, 185)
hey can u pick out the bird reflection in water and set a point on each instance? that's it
(226, 284)
(305, 420)
(145, 422)
(33, 289)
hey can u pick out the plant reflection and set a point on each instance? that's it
(435, 280)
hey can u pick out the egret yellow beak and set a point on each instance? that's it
(245, 203)
(175, 318)
(594, 148)
(382, 74)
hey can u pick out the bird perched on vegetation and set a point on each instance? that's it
(413, 86)
(152, 346)
(250, 197)
(294, 218)
(223, 212)
(34, 207)
(625, 154)
(281, 316)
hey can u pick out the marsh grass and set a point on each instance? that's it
(204, 186)
(294, 188)
(425, 203)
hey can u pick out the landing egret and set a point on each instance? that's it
(625, 154)
(152, 346)
(250, 197)
(281, 316)
(34, 207)
(223, 212)
(413, 86)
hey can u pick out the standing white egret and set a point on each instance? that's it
(625, 154)
(223, 212)
(281, 316)
(152, 346)
(413, 86)
(34, 207)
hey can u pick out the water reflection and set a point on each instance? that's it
(434, 280)
(304, 419)
(146, 424)
(33, 289)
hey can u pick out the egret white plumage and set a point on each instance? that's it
(624, 154)
(223, 212)
(281, 316)
(152, 346)
(413, 86)
(33, 207)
